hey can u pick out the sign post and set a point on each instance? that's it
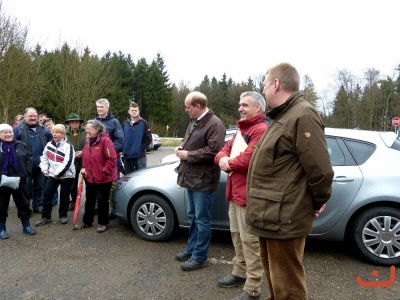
(395, 123)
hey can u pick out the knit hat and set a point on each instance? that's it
(73, 117)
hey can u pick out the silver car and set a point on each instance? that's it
(364, 208)
(155, 142)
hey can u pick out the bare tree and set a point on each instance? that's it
(17, 74)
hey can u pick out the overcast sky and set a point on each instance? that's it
(211, 37)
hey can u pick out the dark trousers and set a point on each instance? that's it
(283, 266)
(55, 196)
(133, 164)
(36, 183)
(21, 199)
(101, 192)
(49, 189)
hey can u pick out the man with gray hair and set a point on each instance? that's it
(234, 158)
(114, 130)
(113, 127)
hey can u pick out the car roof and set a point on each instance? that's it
(388, 137)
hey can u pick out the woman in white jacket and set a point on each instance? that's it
(57, 164)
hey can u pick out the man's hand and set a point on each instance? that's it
(317, 212)
(182, 154)
(224, 164)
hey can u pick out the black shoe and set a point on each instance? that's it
(191, 265)
(245, 296)
(71, 206)
(111, 216)
(183, 256)
(231, 281)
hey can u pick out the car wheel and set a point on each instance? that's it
(155, 148)
(152, 218)
(376, 235)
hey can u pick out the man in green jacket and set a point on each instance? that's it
(76, 135)
(289, 181)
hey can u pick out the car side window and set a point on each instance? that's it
(361, 151)
(335, 153)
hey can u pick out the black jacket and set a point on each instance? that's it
(24, 160)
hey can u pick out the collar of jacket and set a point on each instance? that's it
(129, 119)
(107, 117)
(200, 123)
(98, 137)
(62, 141)
(281, 109)
(244, 124)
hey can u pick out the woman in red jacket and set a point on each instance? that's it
(99, 165)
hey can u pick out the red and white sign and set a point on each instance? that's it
(396, 121)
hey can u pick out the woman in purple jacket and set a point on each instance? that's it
(99, 164)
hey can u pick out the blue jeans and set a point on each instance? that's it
(199, 215)
(36, 183)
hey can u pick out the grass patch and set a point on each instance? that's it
(166, 142)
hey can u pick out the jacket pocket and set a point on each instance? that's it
(264, 207)
(195, 179)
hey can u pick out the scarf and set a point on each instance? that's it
(9, 157)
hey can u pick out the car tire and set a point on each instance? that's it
(373, 236)
(152, 218)
(155, 148)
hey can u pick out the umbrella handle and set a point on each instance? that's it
(81, 177)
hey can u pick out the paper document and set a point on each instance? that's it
(239, 145)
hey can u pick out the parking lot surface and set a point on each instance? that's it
(59, 263)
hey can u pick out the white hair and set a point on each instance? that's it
(5, 127)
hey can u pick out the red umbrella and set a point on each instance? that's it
(78, 199)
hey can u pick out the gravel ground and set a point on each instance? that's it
(59, 263)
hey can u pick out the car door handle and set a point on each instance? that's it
(342, 179)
